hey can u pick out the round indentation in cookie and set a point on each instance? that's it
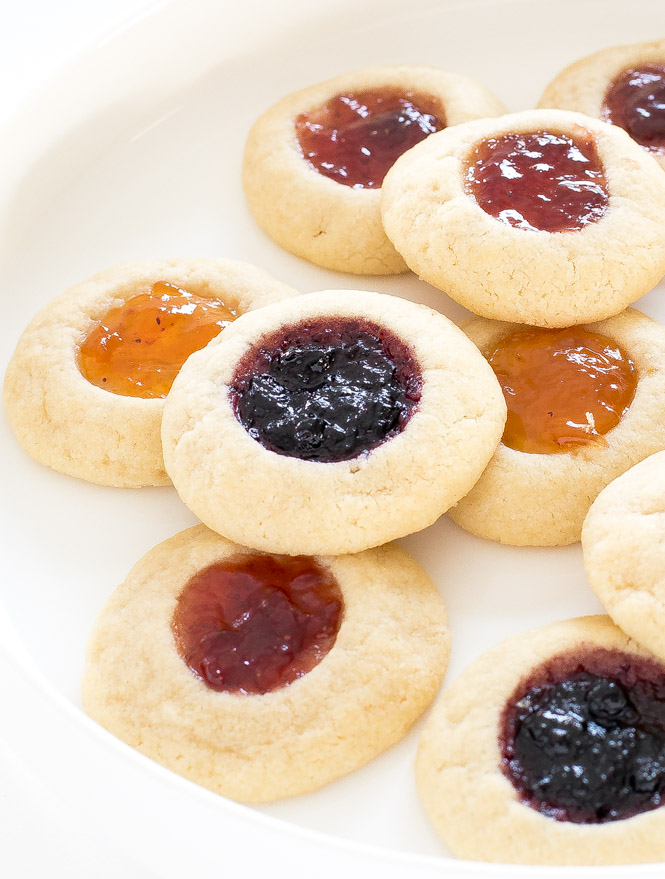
(636, 102)
(254, 623)
(549, 749)
(314, 163)
(72, 423)
(583, 738)
(474, 212)
(359, 696)
(624, 85)
(327, 390)
(355, 138)
(397, 418)
(563, 388)
(137, 348)
(539, 180)
(608, 380)
(623, 540)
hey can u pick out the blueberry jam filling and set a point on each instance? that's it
(583, 739)
(327, 390)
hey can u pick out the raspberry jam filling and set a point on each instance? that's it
(138, 348)
(635, 101)
(583, 738)
(326, 390)
(563, 388)
(253, 624)
(355, 138)
(541, 180)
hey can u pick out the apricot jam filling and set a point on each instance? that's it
(541, 180)
(255, 623)
(327, 390)
(563, 388)
(138, 348)
(583, 738)
(355, 138)
(635, 101)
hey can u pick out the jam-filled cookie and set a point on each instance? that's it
(314, 163)
(331, 422)
(624, 551)
(624, 85)
(543, 217)
(584, 405)
(261, 676)
(550, 749)
(85, 388)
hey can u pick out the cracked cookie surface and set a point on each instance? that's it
(528, 275)
(282, 503)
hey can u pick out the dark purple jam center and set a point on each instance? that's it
(540, 180)
(584, 737)
(326, 390)
(636, 102)
(253, 624)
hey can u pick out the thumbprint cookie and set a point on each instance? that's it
(263, 676)
(85, 388)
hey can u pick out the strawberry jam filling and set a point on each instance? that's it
(355, 138)
(635, 101)
(583, 738)
(563, 388)
(542, 180)
(253, 624)
(326, 391)
(139, 347)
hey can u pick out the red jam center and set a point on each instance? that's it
(355, 138)
(541, 180)
(138, 348)
(636, 102)
(583, 738)
(252, 624)
(563, 388)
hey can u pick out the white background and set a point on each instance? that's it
(38, 835)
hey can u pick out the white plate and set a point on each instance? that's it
(135, 152)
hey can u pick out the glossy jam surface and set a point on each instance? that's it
(138, 348)
(355, 138)
(583, 739)
(636, 102)
(542, 180)
(563, 388)
(326, 391)
(255, 623)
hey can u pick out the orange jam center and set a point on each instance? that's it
(138, 348)
(563, 388)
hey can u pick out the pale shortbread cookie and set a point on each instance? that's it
(523, 275)
(383, 670)
(624, 551)
(326, 222)
(473, 805)
(541, 500)
(69, 424)
(582, 86)
(284, 504)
